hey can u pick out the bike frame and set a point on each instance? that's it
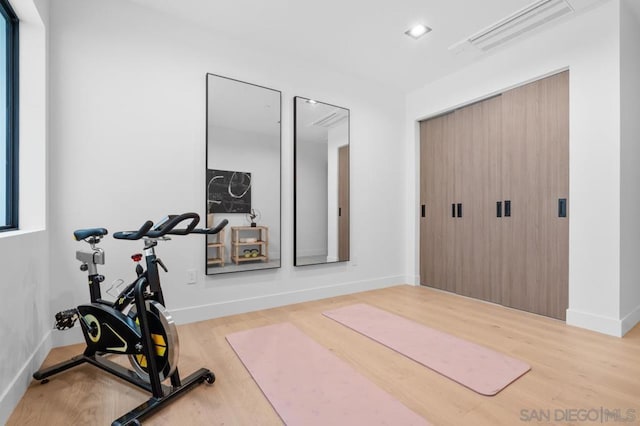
(145, 288)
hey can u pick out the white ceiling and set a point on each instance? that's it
(362, 38)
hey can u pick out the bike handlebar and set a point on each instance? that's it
(169, 227)
(211, 231)
(134, 235)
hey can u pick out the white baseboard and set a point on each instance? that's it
(601, 324)
(630, 321)
(12, 394)
(413, 280)
(239, 306)
(606, 325)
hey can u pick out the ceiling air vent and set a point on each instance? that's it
(523, 21)
(331, 119)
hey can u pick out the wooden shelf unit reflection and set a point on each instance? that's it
(216, 243)
(261, 233)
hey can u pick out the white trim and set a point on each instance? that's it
(601, 324)
(20, 232)
(413, 280)
(18, 386)
(238, 306)
(33, 114)
(629, 321)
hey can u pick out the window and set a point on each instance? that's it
(8, 117)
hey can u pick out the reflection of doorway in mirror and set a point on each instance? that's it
(338, 181)
(343, 203)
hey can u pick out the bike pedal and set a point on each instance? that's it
(66, 319)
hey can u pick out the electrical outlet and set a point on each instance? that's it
(192, 276)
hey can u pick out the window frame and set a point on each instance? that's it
(12, 82)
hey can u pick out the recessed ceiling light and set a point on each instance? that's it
(417, 31)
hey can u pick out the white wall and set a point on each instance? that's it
(589, 46)
(630, 173)
(24, 316)
(128, 127)
(24, 254)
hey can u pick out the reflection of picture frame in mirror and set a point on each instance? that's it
(228, 191)
(321, 183)
(242, 174)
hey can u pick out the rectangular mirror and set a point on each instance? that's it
(243, 175)
(321, 183)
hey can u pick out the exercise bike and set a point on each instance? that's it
(136, 324)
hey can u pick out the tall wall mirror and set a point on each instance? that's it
(321, 184)
(243, 175)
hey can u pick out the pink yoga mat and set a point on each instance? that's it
(476, 367)
(308, 385)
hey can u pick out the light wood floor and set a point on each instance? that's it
(572, 368)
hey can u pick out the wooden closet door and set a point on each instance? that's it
(535, 162)
(437, 227)
(478, 245)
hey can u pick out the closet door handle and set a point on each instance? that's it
(507, 208)
(459, 209)
(453, 210)
(339, 211)
(424, 210)
(498, 208)
(562, 207)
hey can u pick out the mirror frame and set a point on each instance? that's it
(296, 186)
(206, 168)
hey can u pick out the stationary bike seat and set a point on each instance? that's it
(81, 234)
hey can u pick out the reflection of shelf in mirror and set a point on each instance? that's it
(254, 243)
(262, 258)
(215, 261)
(261, 236)
(218, 245)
